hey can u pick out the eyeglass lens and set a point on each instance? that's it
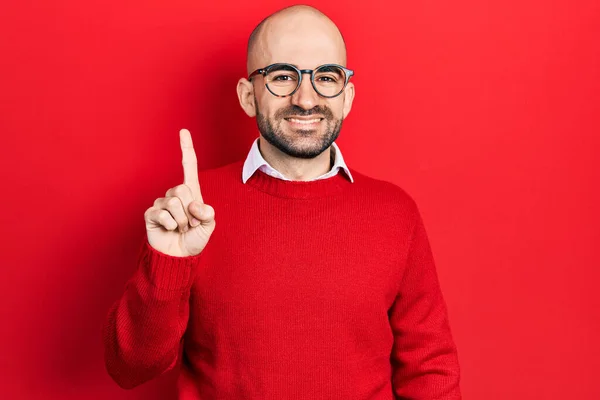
(329, 81)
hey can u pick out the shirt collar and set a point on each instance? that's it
(255, 161)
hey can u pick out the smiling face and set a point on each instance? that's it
(304, 124)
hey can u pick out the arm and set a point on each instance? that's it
(424, 358)
(144, 328)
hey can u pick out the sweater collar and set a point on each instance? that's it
(318, 188)
(256, 162)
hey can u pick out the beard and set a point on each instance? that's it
(271, 130)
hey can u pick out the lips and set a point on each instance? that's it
(304, 121)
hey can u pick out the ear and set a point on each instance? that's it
(245, 92)
(348, 98)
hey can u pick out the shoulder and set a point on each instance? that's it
(220, 180)
(384, 192)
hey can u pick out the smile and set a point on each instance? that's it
(304, 121)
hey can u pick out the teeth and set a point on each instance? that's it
(301, 121)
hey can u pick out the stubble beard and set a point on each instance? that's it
(287, 143)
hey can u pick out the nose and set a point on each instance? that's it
(305, 97)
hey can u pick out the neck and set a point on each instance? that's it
(296, 169)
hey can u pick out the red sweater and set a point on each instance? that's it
(323, 289)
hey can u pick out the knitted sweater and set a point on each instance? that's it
(323, 289)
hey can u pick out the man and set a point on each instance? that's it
(319, 282)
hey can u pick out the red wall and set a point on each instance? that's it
(487, 112)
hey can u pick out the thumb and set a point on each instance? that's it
(201, 213)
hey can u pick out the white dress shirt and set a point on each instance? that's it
(255, 161)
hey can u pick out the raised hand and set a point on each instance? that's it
(180, 224)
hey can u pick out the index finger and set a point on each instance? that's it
(190, 163)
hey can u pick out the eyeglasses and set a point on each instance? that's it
(283, 79)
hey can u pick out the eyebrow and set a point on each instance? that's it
(301, 68)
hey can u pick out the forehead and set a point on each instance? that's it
(306, 45)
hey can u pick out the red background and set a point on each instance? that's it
(486, 112)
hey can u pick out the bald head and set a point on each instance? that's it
(291, 35)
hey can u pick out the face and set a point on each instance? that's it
(304, 124)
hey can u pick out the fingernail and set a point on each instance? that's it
(195, 222)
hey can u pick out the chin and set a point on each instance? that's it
(307, 132)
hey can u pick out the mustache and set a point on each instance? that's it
(294, 110)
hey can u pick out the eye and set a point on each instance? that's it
(329, 74)
(327, 78)
(283, 78)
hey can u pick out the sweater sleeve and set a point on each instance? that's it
(144, 328)
(424, 357)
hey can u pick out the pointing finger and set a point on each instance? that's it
(190, 163)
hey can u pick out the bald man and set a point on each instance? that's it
(319, 282)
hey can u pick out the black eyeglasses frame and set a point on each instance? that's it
(264, 71)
